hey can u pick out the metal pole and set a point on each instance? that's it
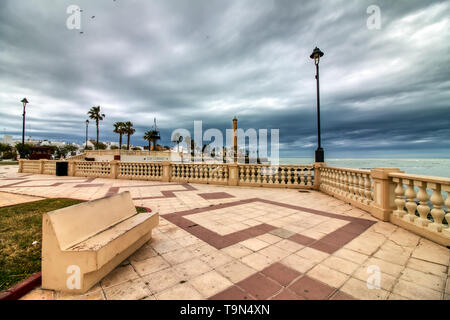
(319, 152)
(87, 123)
(318, 105)
(23, 133)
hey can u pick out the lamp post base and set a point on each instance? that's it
(320, 157)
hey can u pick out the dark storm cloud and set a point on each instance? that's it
(384, 91)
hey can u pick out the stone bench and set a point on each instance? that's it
(81, 244)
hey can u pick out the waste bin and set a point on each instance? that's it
(62, 168)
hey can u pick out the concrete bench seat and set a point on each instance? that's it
(91, 239)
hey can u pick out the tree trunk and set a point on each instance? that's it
(128, 142)
(149, 145)
(97, 135)
(120, 141)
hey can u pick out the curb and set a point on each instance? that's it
(22, 288)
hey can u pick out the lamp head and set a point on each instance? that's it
(316, 55)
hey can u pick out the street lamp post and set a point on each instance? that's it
(24, 102)
(316, 55)
(87, 124)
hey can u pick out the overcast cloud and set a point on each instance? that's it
(384, 93)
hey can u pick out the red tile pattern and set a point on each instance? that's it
(215, 195)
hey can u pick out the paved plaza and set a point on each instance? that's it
(220, 242)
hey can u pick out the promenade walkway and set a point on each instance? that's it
(220, 242)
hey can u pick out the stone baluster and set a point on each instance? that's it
(399, 198)
(423, 207)
(437, 212)
(411, 204)
(446, 231)
(367, 190)
(308, 177)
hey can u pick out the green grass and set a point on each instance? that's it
(8, 163)
(20, 226)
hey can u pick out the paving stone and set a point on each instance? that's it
(235, 271)
(259, 286)
(129, 290)
(282, 233)
(119, 275)
(180, 292)
(147, 266)
(191, 268)
(427, 267)
(161, 280)
(298, 263)
(287, 294)
(311, 289)
(359, 289)
(257, 261)
(415, 291)
(426, 280)
(210, 283)
(281, 273)
(327, 275)
(39, 294)
(237, 251)
(313, 255)
(232, 293)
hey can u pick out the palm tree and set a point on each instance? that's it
(119, 127)
(148, 136)
(129, 130)
(95, 114)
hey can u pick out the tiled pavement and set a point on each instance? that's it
(218, 242)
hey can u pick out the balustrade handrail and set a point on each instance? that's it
(364, 171)
(432, 179)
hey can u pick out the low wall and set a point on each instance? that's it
(416, 203)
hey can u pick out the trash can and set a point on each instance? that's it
(62, 168)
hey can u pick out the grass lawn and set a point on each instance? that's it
(8, 163)
(20, 226)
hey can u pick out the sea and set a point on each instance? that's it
(428, 167)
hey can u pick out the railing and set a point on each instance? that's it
(419, 202)
(30, 166)
(139, 170)
(38, 166)
(290, 176)
(49, 167)
(353, 185)
(92, 169)
(200, 173)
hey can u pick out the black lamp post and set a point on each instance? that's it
(316, 55)
(87, 124)
(24, 102)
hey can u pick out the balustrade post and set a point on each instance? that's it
(21, 165)
(233, 174)
(383, 199)
(167, 171)
(71, 169)
(114, 169)
(41, 166)
(317, 166)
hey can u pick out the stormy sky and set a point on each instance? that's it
(384, 92)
